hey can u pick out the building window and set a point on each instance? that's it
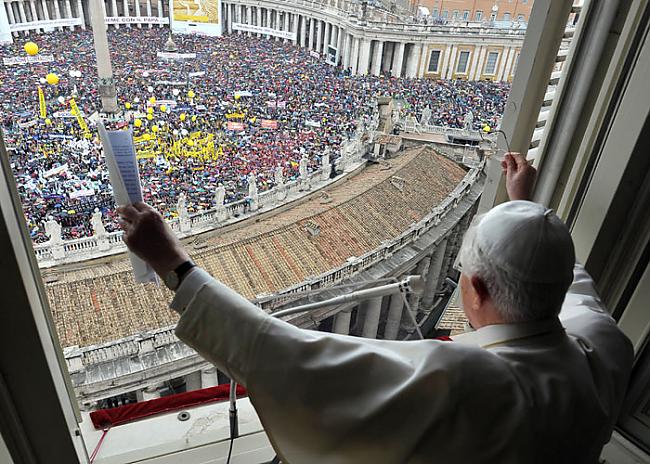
(506, 16)
(466, 15)
(455, 15)
(479, 15)
(463, 60)
(521, 18)
(493, 17)
(445, 14)
(435, 13)
(491, 63)
(434, 60)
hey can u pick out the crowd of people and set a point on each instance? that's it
(243, 105)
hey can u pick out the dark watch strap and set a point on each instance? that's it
(183, 269)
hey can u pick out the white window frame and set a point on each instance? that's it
(487, 63)
(466, 15)
(478, 15)
(431, 52)
(460, 55)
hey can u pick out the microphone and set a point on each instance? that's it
(411, 284)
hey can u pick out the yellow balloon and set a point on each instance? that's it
(152, 100)
(193, 118)
(127, 105)
(149, 117)
(52, 79)
(237, 96)
(31, 48)
(154, 129)
(137, 123)
(48, 121)
(183, 116)
(487, 129)
(163, 108)
(191, 94)
(150, 110)
(146, 137)
(190, 143)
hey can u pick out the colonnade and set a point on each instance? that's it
(333, 42)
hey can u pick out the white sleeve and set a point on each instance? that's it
(582, 298)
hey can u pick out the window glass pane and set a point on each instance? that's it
(506, 16)
(455, 16)
(466, 15)
(479, 15)
(433, 61)
(445, 14)
(491, 63)
(462, 62)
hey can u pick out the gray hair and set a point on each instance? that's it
(515, 300)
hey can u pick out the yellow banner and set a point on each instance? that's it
(74, 109)
(41, 103)
(235, 115)
(198, 11)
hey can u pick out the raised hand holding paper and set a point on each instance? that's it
(125, 179)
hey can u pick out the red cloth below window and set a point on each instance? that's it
(444, 338)
(131, 412)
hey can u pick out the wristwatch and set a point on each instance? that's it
(174, 278)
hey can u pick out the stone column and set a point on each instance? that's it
(388, 56)
(125, 7)
(377, 58)
(32, 9)
(80, 10)
(21, 10)
(258, 12)
(364, 57)
(311, 33)
(106, 86)
(398, 59)
(137, 12)
(11, 19)
(371, 309)
(287, 24)
(57, 12)
(46, 14)
(342, 322)
(268, 18)
(68, 12)
(161, 14)
(149, 9)
(319, 36)
(115, 12)
(354, 55)
(326, 40)
(339, 44)
(421, 269)
(193, 381)
(303, 31)
(346, 51)
(394, 318)
(413, 61)
(294, 27)
(433, 275)
(209, 377)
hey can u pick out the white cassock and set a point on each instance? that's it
(546, 392)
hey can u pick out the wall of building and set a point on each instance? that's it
(503, 10)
